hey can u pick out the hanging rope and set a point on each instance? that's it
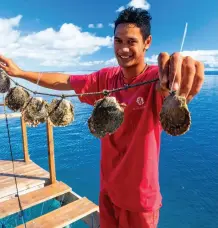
(12, 159)
(104, 92)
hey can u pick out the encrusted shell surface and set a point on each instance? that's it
(4, 82)
(175, 117)
(61, 112)
(16, 98)
(35, 111)
(106, 118)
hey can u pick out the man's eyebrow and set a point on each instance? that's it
(130, 38)
(116, 37)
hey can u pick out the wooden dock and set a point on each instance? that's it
(36, 185)
(29, 177)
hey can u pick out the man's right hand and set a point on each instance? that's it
(10, 67)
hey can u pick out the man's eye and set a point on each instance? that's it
(132, 41)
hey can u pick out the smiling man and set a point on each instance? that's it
(130, 193)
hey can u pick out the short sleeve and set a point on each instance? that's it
(86, 84)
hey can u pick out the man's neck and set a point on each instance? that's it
(131, 73)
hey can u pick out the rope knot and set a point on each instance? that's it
(106, 92)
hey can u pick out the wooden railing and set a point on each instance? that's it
(50, 143)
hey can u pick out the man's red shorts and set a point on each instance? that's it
(112, 216)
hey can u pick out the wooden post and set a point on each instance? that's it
(25, 143)
(51, 153)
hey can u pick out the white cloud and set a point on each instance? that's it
(136, 4)
(120, 9)
(99, 25)
(49, 47)
(91, 26)
(208, 57)
(111, 25)
(65, 48)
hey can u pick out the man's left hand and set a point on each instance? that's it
(183, 74)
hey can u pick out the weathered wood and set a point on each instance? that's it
(31, 199)
(64, 216)
(51, 157)
(28, 176)
(25, 142)
(10, 115)
(91, 220)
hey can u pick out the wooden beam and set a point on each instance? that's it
(25, 142)
(31, 199)
(64, 216)
(92, 220)
(10, 115)
(51, 157)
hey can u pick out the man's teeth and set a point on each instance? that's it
(125, 57)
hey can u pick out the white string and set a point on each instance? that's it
(181, 48)
(37, 83)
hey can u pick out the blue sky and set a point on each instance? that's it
(56, 35)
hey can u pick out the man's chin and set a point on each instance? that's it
(126, 64)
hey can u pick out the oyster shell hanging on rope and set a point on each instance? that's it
(106, 118)
(35, 111)
(16, 98)
(174, 116)
(5, 82)
(61, 112)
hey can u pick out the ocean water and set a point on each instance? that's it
(188, 164)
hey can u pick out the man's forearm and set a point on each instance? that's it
(56, 81)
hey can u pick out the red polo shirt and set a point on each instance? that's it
(130, 156)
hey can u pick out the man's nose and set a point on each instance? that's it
(125, 49)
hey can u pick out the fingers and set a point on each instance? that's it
(3, 66)
(198, 81)
(182, 74)
(4, 60)
(175, 71)
(163, 63)
(188, 75)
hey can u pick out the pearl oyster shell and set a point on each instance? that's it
(106, 118)
(4, 82)
(16, 98)
(35, 111)
(61, 112)
(174, 116)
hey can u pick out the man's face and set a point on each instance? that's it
(129, 46)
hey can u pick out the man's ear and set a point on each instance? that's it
(148, 42)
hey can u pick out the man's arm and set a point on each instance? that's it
(56, 81)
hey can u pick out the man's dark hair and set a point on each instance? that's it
(140, 17)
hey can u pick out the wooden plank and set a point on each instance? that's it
(25, 142)
(64, 216)
(31, 199)
(10, 115)
(51, 152)
(8, 165)
(12, 196)
(28, 175)
(91, 220)
(27, 171)
(22, 185)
